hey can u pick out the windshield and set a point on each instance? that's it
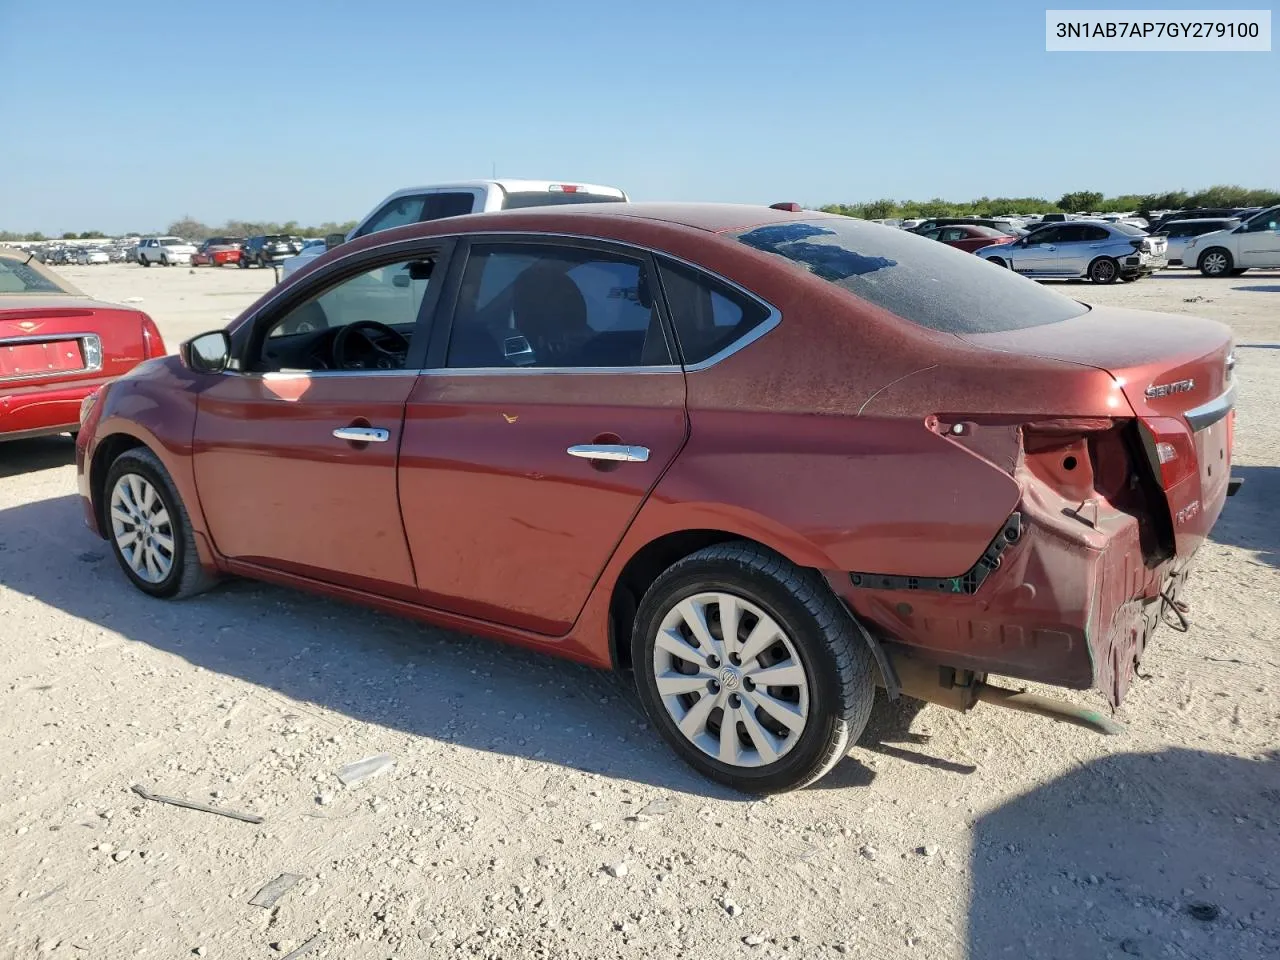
(549, 198)
(19, 277)
(171, 241)
(927, 283)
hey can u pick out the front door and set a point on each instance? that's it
(1039, 256)
(548, 412)
(295, 452)
(1260, 241)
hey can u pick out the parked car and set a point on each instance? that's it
(58, 345)
(967, 237)
(217, 252)
(1178, 233)
(1000, 480)
(264, 251)
(166, 251)
(420, 204)
(1102, 252)
(1004, 226)
(1229, 253)
(1202, 213)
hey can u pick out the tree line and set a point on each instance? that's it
(1076, 202)
(1080, 201)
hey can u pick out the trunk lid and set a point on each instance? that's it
(1176, 374)
(56, 339)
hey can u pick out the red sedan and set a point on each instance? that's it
(217, 252)
(57, 346)
(968, 237)
(765, 459)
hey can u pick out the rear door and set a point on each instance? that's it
(1259, 241)
(549, 409)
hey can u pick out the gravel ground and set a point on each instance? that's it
(530, 812)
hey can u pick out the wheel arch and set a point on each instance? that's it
(105, 454)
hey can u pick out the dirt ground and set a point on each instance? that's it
(530, 812)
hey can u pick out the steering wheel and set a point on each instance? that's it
(375, 356)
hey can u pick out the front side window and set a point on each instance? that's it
(397, 213)
(708, 315)
(365, 322)
(929, 284)
(1268, 220)
(526, 305)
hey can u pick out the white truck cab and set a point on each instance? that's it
(419, 204)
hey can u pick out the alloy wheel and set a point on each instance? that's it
(1104, 271)
(1215, 263)
(731, 679)
(142, 528)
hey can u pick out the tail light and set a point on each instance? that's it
(152, 343)
(1170, 449)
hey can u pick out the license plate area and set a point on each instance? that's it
(41, 358)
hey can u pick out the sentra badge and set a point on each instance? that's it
(1157, 390)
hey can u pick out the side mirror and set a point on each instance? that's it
(207, 353)
(332, 240)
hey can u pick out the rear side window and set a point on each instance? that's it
(440, 205)
(708, 315)
(928, 283)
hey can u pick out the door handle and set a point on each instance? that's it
(1050, 246)
(609, 451)
(363, 434)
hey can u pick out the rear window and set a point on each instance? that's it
(927, 283)
(551, 198)
(19, 277)
(1129, 229)
(171, 241)
(275, 238)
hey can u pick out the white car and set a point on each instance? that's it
(166, 251)
(96, 256)
(418, 204)
(1229, 253)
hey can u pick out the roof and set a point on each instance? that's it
(712, 217)
(510, 185)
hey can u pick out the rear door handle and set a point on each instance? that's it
(609, 451)
(363, 434)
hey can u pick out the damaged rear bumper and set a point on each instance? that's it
(1068, 600)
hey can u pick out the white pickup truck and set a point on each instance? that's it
(418, 204)
(166, 251)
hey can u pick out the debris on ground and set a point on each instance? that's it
(193, 805)
(273, 891)
(353, 773)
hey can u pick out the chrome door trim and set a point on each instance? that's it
(363, 434)
(610, 451)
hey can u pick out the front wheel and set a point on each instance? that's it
(997, 261)
(144, 261)
(751, 669)
(164, 262)
(149, 528)
(1104, 270)
(1215, 262)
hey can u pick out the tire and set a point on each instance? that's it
(144, 261)
(242, 263)
(1216, 262)
(134, 471)
(997, 261)
(817, 642)
(262, 264)
(164, 262)
(1104, 270)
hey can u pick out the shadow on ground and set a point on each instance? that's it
(28, 456)
(1175, 854)
(383, 670)
(1248, 520)
(1264, 288)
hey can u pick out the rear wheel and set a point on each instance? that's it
(751, 669)
(1104, 270)
(149, 529)
(1215, 262)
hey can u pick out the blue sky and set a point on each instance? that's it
(127, 116)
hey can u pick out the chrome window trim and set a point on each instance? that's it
(318, 374)
(1211, 412)
(84, 338)
(751, 336)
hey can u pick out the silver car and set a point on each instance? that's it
(1179, 233)
(1103, 252)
